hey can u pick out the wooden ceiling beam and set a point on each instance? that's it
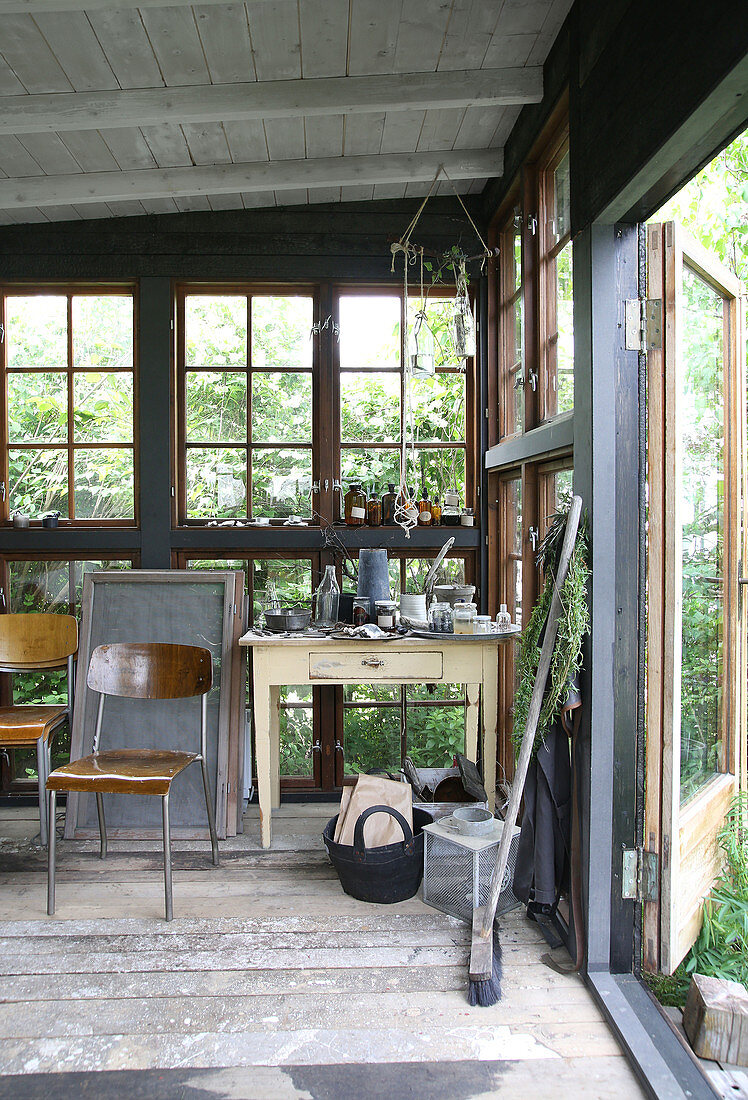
(34, 7)
(158, 183)
(57, 112)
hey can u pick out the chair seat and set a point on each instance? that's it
(22, 725)
(122, 771)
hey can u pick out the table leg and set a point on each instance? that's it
(472, 692)
(262, 745)
(275, 745)
(490, 719)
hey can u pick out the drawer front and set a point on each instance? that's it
(393, 665)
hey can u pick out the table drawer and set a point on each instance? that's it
(379, 664)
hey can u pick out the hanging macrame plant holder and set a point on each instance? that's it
(418, 345)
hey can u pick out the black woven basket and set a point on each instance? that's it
(387, 874)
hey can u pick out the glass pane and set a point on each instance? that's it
(440, 469)
(281, 483)
(369, 332)
(38, 481)
(438, 405)
(512, 596)
(565, 323)
(371, 738)
(369, 407)
(432, 692)
(39, 586)
(281, 407)
(517, 249)
(371, 693)
(215, 330)
(37, 408)
(439, 316)
(518, 375)
(102, 407)
(104, 484)
(102, 331)
(374, 469)
(701, 429)
(216, 406)
(281, 332)
(561, 204)
(216, 482)
(451, 571)
(36, 331)
(435, 734)
(292, 580)
(296, 732)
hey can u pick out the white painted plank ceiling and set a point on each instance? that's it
(119, 108)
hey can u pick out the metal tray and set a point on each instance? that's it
(438, 635)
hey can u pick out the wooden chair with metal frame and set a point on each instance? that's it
(139, 670)
(32, 642)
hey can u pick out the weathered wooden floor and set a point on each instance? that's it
(270, 982)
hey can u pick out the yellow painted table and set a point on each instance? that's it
(473, 661)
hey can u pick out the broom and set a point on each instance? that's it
(485, 953)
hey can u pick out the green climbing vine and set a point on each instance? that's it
(572, 626)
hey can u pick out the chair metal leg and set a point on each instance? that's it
(167, 858)
(51, 855)
(102, 824)
(41, 764)
(209, 808)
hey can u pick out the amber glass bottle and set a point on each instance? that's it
(374, 511)
(355, 506)
(436, 513)
(388, 506)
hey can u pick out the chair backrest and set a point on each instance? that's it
(150, 670)
(37, 640)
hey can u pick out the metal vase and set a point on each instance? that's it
(373, 576)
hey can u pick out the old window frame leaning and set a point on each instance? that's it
(71, 371)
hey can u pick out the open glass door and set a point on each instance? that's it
(695, 665)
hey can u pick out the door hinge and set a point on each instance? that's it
(643, 324)
(532, 224)
(640, 877)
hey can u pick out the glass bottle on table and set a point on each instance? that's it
(327, 600)
(424, 509)
(436, 513)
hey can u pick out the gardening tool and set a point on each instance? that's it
(485, 979)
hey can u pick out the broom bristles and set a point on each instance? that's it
(488, 992)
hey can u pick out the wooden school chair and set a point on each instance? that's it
(31, 642)
(138, 670)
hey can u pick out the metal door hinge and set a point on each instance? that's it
(640, 877)
(643, 324)
(532, 224)
(534, 536)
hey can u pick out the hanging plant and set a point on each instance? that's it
(573, 624)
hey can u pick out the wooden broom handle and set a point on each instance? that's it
(533, 716)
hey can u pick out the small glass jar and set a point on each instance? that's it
(463, 619)
(355, 506)
(440, 618)
(386, 614)
(374, 511)
(436, 514)
(482, 624)
(467, 519)
(360, 610)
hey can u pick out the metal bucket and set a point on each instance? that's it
(387, 874)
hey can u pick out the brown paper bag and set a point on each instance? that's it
(380, 829)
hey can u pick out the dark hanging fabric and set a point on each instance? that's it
(544, 855)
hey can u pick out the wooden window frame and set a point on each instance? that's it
(250, 291)
(69, 291)
(548, 249)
